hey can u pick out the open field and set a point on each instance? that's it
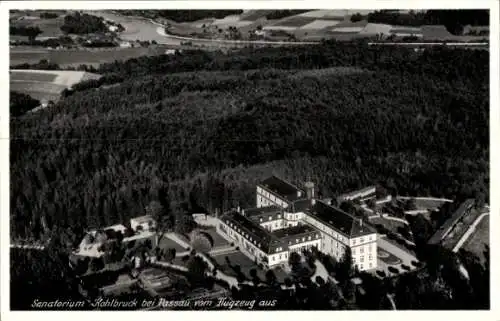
(320, 24)
(77, 57)
(295, 21)
(423, 204)
(479, 238)
(253, 15)
(387, 257)
(49, 27)
(32, 76)
(46, 85)
(389, 224)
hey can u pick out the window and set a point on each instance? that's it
(280, 256)
(362, 249)
(362, 259)
(353, 251)
(354, 242)
(362, 240)
(370, 265)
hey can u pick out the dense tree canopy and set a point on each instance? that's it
(83, 24)
(201, 129)
(453, 20)
(407, 118)
(21, 103)
(182, 15)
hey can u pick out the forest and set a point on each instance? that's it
(83, 24)
(397, 118)
(182, 15)
(453, 20)
(206, 127)
(20, 103)
(30, 32)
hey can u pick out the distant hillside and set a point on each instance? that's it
(182, 15)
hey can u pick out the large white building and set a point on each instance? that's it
(288, 219)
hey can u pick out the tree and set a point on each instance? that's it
(196, 268)
(345, 269)
(356, 17)
(271, 277)
(410, 205)
(97, 264)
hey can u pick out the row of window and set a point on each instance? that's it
(360, 266)
(326, 229)
(362, 240)
(233, 234)
(362, 259)
(362, 249)
(269, 199)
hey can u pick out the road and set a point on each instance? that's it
(469, 232)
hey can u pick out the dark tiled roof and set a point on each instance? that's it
(255, 231)
(301, 205)
(455, 217)
(261, 211)
(282, 188)
(339, 220)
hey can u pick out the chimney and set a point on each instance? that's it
(309, 190)
(239, 209)
(299, 193)
(360, 222)
(313, 202)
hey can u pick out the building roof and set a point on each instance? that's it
(339, 220)
(282, 188)
(261, 211)
(260, 236)
(457, 215)
(368, 189)
(301, 205)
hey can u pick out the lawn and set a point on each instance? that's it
(388, 224)
(479, 238)
(454, 236)
(77, 57)
(296, 21)
(219, 241)
(388, 258)
(31, 76)
(246, 265)
(167, 243)
(428, 204)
